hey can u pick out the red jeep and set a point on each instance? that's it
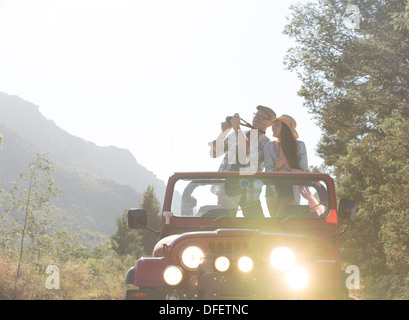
(235, 236)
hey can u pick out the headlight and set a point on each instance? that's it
(172, 275)
(297, 278)
(282, 258)
(191, 257)
(222, 263)
(245, 264)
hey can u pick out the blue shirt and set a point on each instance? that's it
(271, 156)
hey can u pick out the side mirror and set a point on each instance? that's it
(137, 219)
(347, 209)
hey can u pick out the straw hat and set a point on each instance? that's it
(290, 122)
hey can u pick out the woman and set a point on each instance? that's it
(287, 154)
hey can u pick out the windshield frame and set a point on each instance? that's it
(215, 176)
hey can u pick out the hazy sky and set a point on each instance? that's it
(156, 76)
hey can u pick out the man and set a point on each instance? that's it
(263, 118)
(235, 151)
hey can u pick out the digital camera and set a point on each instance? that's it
(228, 118)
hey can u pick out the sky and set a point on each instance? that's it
(156, 77)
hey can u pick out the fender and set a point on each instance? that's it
(149, 272)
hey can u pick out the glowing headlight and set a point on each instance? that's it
(282, 258)
(245, 264)
(222, 264)
(297, 278)
(172, 275)
(191, 257)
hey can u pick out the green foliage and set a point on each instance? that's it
(150, 204)
(126, 241)
(84, 274)
(138, 242)
(96, 275)
(33, 201)
(356, 84)
(28, 245)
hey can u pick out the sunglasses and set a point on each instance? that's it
(259, 116)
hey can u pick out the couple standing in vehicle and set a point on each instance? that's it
(286, 154)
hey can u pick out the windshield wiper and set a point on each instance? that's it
(229, 215)
(302, 212)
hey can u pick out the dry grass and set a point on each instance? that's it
(77, 281)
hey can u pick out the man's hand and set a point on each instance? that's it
(225, 126)
(235, 122)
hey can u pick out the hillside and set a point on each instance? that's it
(97, 183)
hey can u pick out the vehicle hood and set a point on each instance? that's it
(230, 237)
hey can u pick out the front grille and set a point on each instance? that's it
(311, 249)
(254, 247)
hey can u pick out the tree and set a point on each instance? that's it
(32, 201)
(355, 81)
(150, 204)
(352, 79)
(124, 240)
(138, 242)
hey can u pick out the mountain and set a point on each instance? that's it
(97, 183)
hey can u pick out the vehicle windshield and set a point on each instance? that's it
(253, 197)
